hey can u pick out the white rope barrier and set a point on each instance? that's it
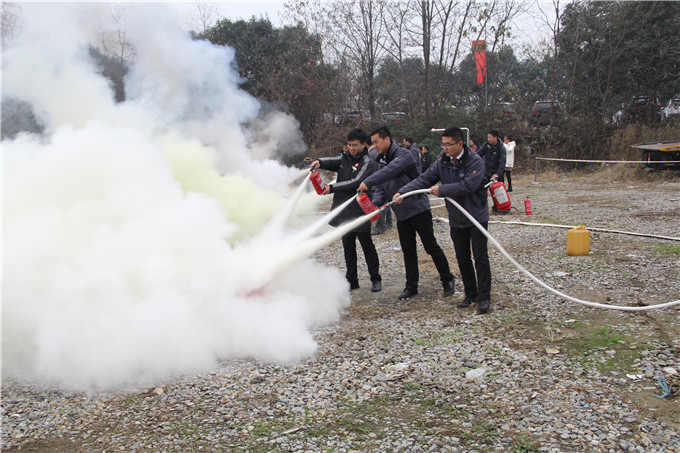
(535, 279)
(612, 161)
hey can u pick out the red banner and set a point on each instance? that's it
(479, 49)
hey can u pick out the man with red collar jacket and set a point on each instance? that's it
(353, 167)
(413, 215)
(461, 173)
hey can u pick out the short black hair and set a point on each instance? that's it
(454, 133)
(382, 132)
(409, 139)
(357, 134)
(426, 148)
(495, 133)
(508, 137)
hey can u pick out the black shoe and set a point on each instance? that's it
(449, 289)
(353, 286)
(510, 189)
(408, 292)
(376, 286)
(484, 306)
(465, 303)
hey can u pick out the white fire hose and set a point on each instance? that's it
(529, 274)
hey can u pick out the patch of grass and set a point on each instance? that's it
(551, 220)
(484, 430)
(413, 386)
(669, 249)
(524, 445)
(265, 428)
(437, 338)
(602, 337)
(588, 350)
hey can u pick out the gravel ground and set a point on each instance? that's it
(537, 373)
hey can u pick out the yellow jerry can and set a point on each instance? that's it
(578, 241)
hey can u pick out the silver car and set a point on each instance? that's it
(672, 110)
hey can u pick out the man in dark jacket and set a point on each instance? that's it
(461, 173)
(493, 153)
(413, 215)
(425, 159)
(412, 146)
(353, 167)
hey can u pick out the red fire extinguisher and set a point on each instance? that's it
(317, 182)
(500, 196)
(367, 206)
(527, 207)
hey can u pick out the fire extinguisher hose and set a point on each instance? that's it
(535, 279)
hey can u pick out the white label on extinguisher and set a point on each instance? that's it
(500, 195)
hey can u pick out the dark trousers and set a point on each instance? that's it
(507, 175)
(421, 224)
(385, 220)
(349, 245)
(478, 287)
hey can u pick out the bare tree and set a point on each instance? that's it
(113, 39)
(205, 17)
(10, 21)
(551, 19)
(353, 35)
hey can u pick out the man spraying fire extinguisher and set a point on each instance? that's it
(353, 167)
(461, 173)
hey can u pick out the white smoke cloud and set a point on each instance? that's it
(130, 230)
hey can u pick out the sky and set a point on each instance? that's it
(528, 29)
(238, 10)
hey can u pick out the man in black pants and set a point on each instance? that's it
(413, 215)
(461, 173)
(493, 153)
(352, 167)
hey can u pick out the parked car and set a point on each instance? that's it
(641, 109)
(394, 117)
(672, 110)
(543, 110)
(504, 111)
(354, 118)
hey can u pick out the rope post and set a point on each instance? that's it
(536, 169)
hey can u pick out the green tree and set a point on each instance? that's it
(614, 50)
(279, 65)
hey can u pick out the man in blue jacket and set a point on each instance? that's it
(461, 173)
(413, 215)
(352, 167)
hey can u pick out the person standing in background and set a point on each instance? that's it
(509, 145)
(425, 159)
(410, 145)
(493, 154)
